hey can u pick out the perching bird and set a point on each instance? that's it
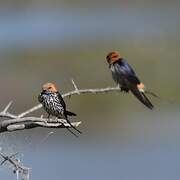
(54, 104)
(126, 78)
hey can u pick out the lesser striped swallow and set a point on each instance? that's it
(124, 75)
(54, 104)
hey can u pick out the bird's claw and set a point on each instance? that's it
(124, 89)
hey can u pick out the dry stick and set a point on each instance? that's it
(32, 122)
(76, 91)
(20, 122)
(18, 167)
(69, 94)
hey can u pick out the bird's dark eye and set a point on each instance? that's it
(49, 87)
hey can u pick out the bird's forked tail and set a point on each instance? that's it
(139, 93)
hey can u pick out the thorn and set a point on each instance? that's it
(3, 162)
(13, 155)
(47, 136)
(76, 123)
(75, 86)
(7, 107)
(118, 87)
(50, 133)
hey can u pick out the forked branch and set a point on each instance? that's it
(20, 122)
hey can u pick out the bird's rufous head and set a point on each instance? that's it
(50, 87)
(113, 57)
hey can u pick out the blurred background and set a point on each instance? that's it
(43, 40)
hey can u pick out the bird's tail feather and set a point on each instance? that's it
(71, 132)
(66, 117)
(170, 101)
(142, 97)
(74, 127)
(70, 113)
(152, 94)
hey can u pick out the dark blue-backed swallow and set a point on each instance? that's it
(124, 75)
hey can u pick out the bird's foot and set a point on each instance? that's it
(48, 117)
(123, 89)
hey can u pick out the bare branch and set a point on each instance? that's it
(20, 122)
(32, 122)
(7, 115)
(30, 110)
(92, 91)
(18, 168)
(75, 92)
(7, 107)
(12, 122)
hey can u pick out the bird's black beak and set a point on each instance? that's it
(43, 91)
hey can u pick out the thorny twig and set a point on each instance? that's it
(18, 168)
(20, 122)
(76, 91)
(12, 122)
